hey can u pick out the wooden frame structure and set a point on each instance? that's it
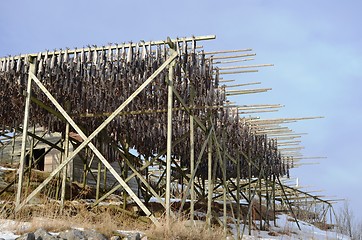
(251, 177)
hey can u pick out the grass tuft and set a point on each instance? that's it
(182, 229)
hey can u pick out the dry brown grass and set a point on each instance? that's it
(180, 229)
(52, 217)
(324, 226)
(36, 175)
(104, 219)
(274, 234)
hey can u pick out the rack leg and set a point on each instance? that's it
(25, 131)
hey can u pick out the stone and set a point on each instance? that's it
(72, 234)
(93, 235)
(75, 234)
(131, 235)
(42, 234)
(27, 236)
(115, 238)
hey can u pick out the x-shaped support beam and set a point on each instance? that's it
(87, 140)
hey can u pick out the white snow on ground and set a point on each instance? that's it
(7, 169)
(308, 231)
(9, 227)
(287, 229)
(8, 235)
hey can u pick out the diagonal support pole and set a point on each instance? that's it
(287, 199)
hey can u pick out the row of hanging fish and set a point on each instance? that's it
(95, 81)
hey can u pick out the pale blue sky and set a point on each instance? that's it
(316, 47)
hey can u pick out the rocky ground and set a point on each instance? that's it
(70, 234)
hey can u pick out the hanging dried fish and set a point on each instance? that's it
(60, 58)
(89, 54)
(52, 61)
(130, 53)
(7, 67)
(95, 58)
(18, 65)
(98, 81)
(2, 65)
(110, 53)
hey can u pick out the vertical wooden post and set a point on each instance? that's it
(273, 197)
(104, 179)
(2, 150)
(249, 192)
(98, 179)
(31, 156)
(85, 171)
(224, 177)
(192, 146)
(65, 156)
(261, 172)
(13, 147)
(209, 183)
(192, 156)
(169, 142)
(125, 173)
(238, 198)
(99, 169)
(267, 200)
(25, 131)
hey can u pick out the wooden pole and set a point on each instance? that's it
(249, 191)
(224, 177)
(198, 161)
(169, 143)
(124, 175)
(260, 198)
(222, 164)
(85, 167)
(246, 66)
(65, 155)
(104, 179)
(228, 51)
(99, 170)
(192, 157)
(13, 147)
(25, 130)
(209, 183)
(31, 155)
(192, 148)
(234, 56)
(238, 236)
(288, 203)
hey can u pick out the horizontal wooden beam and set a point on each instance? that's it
(115, 46)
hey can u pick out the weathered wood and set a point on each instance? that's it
(25, 131)
(169, 142)
(125, 45)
